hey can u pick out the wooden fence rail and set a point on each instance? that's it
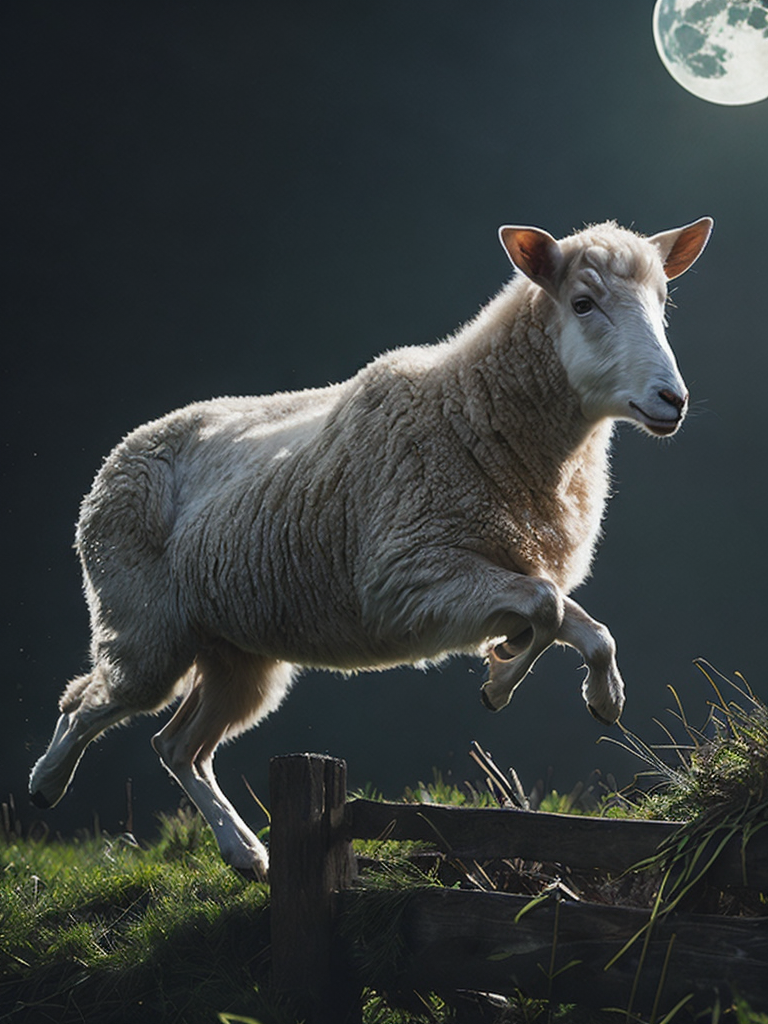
(453, 939)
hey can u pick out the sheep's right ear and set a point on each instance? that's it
(536, 253)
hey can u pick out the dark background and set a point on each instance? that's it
(239, 197)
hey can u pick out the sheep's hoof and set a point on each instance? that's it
(250, 862)
(600, 719)
(39, 799)
(253, 874)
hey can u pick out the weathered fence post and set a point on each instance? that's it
(310, 860)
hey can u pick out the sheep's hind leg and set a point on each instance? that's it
(231, 690)
(86, 711)
(176, 746)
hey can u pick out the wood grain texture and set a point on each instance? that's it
(578, 841)
(458, 939)
(310, 859)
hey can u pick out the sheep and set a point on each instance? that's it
(446, 499)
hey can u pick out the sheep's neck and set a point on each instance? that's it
(512, 402)
(513, 412)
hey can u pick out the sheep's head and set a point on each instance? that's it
(608, 288)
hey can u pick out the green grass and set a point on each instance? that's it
(716, 785)
(165, 933)
(718, 770)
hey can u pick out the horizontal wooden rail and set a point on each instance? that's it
(615, 844)
(457, 939)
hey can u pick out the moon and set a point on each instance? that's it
(716, 49)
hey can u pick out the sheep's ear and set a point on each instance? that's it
(681, 247)
(534, 252)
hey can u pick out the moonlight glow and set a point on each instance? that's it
(716, 49)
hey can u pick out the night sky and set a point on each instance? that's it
(241, 197)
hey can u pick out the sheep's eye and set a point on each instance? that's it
(582, 305)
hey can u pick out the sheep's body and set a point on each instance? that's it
(266, 521)
(444, 496)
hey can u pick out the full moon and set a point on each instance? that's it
(716, 49)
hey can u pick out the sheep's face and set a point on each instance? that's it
(613, 346)
(609, 288)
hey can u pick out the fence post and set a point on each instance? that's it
(310, 859)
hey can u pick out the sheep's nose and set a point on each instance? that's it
(673, 399)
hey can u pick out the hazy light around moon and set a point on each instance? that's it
(716, 49)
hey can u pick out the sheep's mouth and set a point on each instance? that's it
(654, 424)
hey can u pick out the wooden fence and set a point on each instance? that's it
(457, 939)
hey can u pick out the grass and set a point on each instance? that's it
(718, 771)
(716, 785)
(164, 933)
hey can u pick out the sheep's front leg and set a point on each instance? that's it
(603, 688)
(534, 616)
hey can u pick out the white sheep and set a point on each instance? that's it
(445, 499)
